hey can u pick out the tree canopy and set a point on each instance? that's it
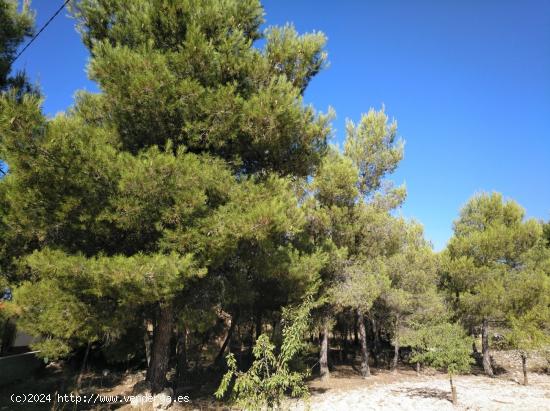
(194, 208)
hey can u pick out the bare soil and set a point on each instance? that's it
(406, 391)
(345, 390)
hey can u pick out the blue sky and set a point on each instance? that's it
(467, 81)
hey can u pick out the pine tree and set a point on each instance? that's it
(328, 227)
(14, 28)
(489, 242)
(529, 332)
(412, 298)
(359, 286)
(350, 217)
(528, 310)
(189, 154)
(445, 346)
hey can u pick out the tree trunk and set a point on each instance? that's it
(365, 370)
(220, 355)
(277, 333)
(376, 341)
(181, 354)
(418, 369)
(347, 343)
(453, 391)
(147, 341)
(355, 330)
(323, 355)
(395, 356)
(83, 367)
(160, 353)
(485, 348)
(396, 346)
(524, 368)
(342, 350)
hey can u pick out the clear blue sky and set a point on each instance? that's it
(468, 82)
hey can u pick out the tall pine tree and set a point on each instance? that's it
(191, 149)
(482, 260)
(350, 218)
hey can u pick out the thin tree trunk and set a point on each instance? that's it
(221, 353)
(323, 355)
(277, 333)
(147, 341)
(396, 346)
(365, 370)
(376, 341)
(485, 348)
(160, 353)
(453, 391)
(83, 367)
(355, 330)
(347, 345)
(524, 368)
(342, 350)
(395, 356)
(181, 353)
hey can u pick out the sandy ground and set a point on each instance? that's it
(405, 390)
(432, 393)
(346, 390)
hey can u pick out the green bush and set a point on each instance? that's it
(270, 378)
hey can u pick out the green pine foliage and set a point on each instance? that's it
(530, 331)
(374, 148)
(15, 27)
(197, 186)
(443, 346)
(189, 72)
(183, 167)
(495, 266)
(412, 300)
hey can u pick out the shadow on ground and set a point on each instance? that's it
(424, 393)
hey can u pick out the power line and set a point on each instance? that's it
(41, 30)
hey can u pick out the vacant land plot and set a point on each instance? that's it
(430, 393)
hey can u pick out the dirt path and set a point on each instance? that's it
(430, 393)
